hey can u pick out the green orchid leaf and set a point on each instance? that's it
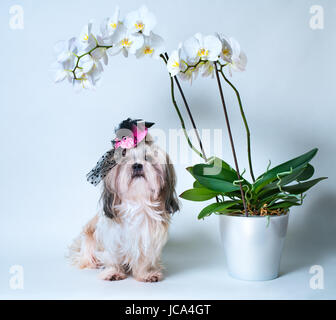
(214, 171)
(284, 205)
(307, 173)
(216, 207)
(220, 163)
(198, 194)
(270, 201)
(214, 161)
(214, 178)
(196, 184)
(231, 210)
(279, 188)
(271, 175)
(189, 169)
(302, 187)
(284, 180)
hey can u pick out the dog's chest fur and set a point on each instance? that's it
(139, 230)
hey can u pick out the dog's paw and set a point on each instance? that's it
(86, 262)
(110, 274)
(89, 265)
(117, 276)
(154, 276)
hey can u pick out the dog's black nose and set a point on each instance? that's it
(137, 166)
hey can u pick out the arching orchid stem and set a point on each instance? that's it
(179, 114)
(202, 155)
(97, 46)
(182, 121)
(191, 119)
(189, 113)
(245, 123)
(231, 138)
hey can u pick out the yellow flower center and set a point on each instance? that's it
(125, 42)
(148, 50)
(202, 52)
(139, 26)
(113, 25)
(86, 37)
(226, 51)
(176, 64)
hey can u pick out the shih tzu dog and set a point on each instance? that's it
(138, 197)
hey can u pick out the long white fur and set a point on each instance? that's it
(132, 241)
(125, 242)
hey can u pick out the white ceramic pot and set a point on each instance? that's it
(253, 245)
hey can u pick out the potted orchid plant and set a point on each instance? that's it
(253, 212)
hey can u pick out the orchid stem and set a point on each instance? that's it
(231, 138)
(97, 46)
(181, 119)
(191, 119)
(180, 115)
(165, 58)
(245, 123)
(189, 114)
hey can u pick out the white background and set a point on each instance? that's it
(50, 137)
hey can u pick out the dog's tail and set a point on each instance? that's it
(81, 253)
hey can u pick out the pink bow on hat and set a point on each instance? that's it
(131, 142)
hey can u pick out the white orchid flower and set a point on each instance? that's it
(79, 73)
(188, 75)
(226, 52)
(126, 42)
(65, 60)
(86, 63)
(83, 83)
(153, 46)
(232, 54)
(88, 80)
(140, 21)
(175, 64)
(95, 73)
(199, 47)
(239, 61)
(208, 69)
(110, 25)
(89, 63)
(86, 38)
(100, 53)
(62, 74)
(63, 71)
(65, 50)
(190, 48)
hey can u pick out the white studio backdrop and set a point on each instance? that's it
(51, 136)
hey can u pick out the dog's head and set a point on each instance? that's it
(143, 173)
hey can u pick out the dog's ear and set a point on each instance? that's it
(170, 197)
(109, 200)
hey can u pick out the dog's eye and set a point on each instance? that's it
(148, 158)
